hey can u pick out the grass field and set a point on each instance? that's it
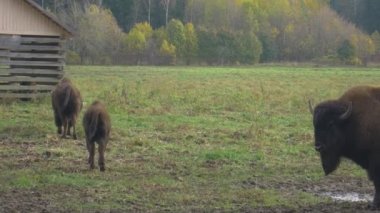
(183, 139)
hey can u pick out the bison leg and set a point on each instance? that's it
(65, 126)
(374, 175)
(102, 149)
(376, 199)
(73, 121)
(69, 128)
(58, 122)
(59, 130)
(91, 154)
(74, 133)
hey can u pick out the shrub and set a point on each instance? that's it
(168, 53)
(176, 35)
(72, 57)
(346, 51)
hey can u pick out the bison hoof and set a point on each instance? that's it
(92, 166)
(75, 137)
(102, 169)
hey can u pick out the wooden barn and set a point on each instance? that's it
(31, 49)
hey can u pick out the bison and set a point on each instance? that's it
(349, 127)
(97, 126)
(66, 103)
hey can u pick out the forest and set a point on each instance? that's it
(220, 32)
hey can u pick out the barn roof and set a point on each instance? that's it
(50, 16)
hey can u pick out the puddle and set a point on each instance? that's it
(351, 197)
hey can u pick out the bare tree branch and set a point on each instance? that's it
(166, 4)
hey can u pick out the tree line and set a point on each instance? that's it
(364, 13)
(215, 32)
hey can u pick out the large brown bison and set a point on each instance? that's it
(97, 126)
(350, 127)
(66, 103)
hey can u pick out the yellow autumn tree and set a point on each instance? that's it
(191, 43)
(136, 41)
(168, 53)
(375, 36)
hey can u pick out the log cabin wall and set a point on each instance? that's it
(30, 65)
(31, 49)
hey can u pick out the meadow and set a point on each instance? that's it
(200, 139)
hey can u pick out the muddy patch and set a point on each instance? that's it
(346, 194)
(349, 196)
(25, 201)
(348, 207)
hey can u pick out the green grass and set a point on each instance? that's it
(183, 139)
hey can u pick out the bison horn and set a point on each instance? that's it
(347, 113)
(311, 107)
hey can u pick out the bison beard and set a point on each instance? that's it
(349, 127)
(330, 161)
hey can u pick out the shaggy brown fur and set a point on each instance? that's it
(66, 103)
(97, 126)
(350, 127)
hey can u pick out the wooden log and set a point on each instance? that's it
(9, 42)
(6, 41)
(33, 63)
(17, 79)
(9, 54)
(16, 46)
(24, 95)
(41, 39)
(4, 61)
(4, 72)
(20, 71)
(4, 53)
(26, 88)
(35, 47)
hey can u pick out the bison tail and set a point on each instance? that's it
(93, 126)
(67, 98)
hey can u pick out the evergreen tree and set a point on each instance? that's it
(346, 51)
(176, 35)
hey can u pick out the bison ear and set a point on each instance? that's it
(347, 113)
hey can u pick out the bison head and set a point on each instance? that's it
(329, 120)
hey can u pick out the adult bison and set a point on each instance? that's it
(350, 127)
(66, 103)
(97, 126)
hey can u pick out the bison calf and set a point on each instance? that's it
(350, 127)
(66, 103)
(97, 126)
